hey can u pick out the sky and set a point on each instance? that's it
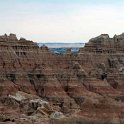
(61, 20)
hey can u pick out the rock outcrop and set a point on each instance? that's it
(40, 87)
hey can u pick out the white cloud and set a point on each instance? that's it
(75, 23)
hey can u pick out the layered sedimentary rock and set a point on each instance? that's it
(38, 86)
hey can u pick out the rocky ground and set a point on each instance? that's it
(40, 87)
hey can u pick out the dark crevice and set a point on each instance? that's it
(11, 77)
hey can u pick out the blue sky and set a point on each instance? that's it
(61, 20)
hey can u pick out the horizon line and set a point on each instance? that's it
(63, 42)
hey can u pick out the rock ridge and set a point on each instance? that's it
(41, 87)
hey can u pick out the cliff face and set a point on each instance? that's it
(84, 87)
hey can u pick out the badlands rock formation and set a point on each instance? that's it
(41, 87)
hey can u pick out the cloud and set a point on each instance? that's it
(62, 22)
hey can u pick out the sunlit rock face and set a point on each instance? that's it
(38, 86)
